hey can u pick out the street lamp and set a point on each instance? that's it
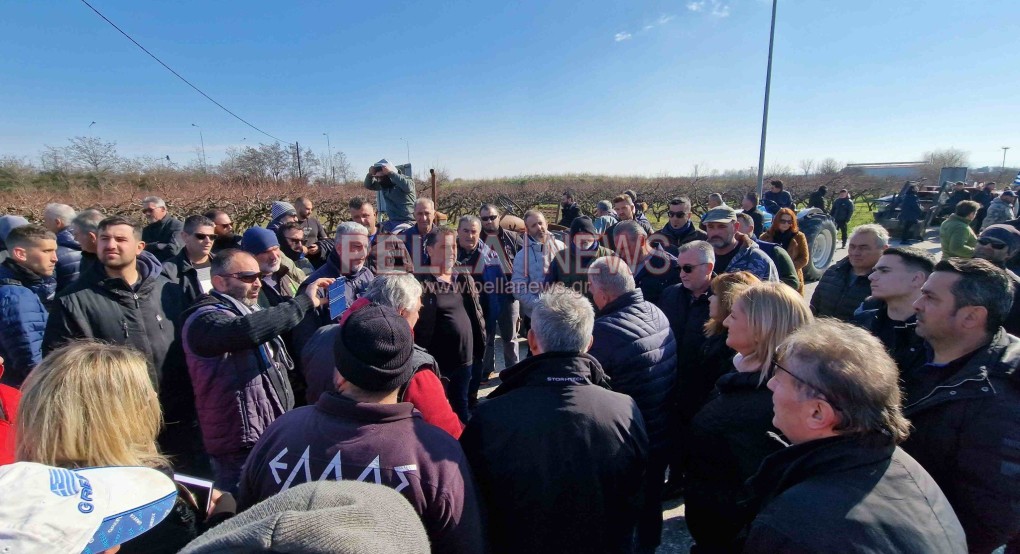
(201, 138)
(765, 112)
(329, 150)
(1004, 148)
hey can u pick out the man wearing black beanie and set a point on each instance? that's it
(362, 433)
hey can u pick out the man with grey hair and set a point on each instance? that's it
(414, 236)
(162, 236)
(531, 264)
(559, 459)
(735, 251)
(58, 219)
(844, 286)
(85, 227)
(653, 268)
(346, 264)
(844, 481)
(605, 217)
(636, 348)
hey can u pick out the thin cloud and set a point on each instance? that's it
(715, 8)
(720, 10)
(696, 6)
(664, 19)
(622, 36)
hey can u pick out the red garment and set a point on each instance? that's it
(9, 398)
(426, 392)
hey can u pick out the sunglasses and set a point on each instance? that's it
(678, 215)
(147, 211)
(489, 218)
(245, 276)
(689, 268)
(203, 236)
(825, 396)
(785, 221)
(993, 243)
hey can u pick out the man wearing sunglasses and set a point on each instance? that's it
(1000, 244)
(238, 362)
(162, 236)
(190, 268)
(844, 485)
(223, 228)
(679, 229)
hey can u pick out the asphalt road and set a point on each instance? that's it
(675, 537)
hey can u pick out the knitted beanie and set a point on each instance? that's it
(373, 349)
(257, 240)
(322, 517)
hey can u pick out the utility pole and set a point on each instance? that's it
(201, 138)
(1004, 148)
(329, 150)
(765, 113)
(408, 150)
(297, 150)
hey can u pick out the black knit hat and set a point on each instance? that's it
(582, 224)
(373, 349)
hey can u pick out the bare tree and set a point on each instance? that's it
(949, 157)
(54, 158)
(829, 166)
(342, 168)
(807, 165)
(93, 154)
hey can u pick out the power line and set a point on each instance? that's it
(179, 76)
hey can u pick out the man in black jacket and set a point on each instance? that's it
(844, 485)
(191, 267)
(570, 210)
(964, 402)
(506, 244)
(844, 286)
(678, 230)
(559, 459)
(896, 282)
(127, 301)
(653, 268)
(632, 341)
(162, 236)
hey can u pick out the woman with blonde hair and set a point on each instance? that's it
(732, 433)
(91, 404)
(785, 232)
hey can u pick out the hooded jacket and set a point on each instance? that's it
(239, 365)
(999, 211)
(559, 460)
(847, 494)
(68, 258)
(899, 337)
(398, 193)
(635, 347)
(180, 270)
(24, 297)
(967, 435)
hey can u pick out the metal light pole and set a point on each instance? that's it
(329, 150)
(408, 150)
(1004, 148)
(201, 138)
(765, 113)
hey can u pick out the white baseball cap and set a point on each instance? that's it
(50, 509)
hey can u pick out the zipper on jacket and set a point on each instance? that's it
(124, 325)
(934, 390)
(159, 320)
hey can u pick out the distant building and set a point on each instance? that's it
(899, 170)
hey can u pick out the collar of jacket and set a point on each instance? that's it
(552, 368)
(148, 273)
(678, 233)
(998, 359)
(341, 407)
(829, 456)
(184, 261)
(740, 380)
(65, 238)
(626, 299)
(17, 272)
(333, 261)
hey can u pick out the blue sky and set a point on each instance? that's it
(495, 89)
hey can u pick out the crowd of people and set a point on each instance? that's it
(285, 365)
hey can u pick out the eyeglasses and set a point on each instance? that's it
(489, 218)
(825, 396)
(245, 276)
(785, 221)
(689, 268)
(148, 211)
(228, 224)
(993, 243)
(203, 236)
(678, 215)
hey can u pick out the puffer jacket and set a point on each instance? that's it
(634, 345)
(238, 366)
(833, 297)
(68, 258)
(10, 397)
(24, 297)
(967, 435)
(530, 266)
(849, 494)
(163, 238)
(998, 212)
(144, 317)
(797, 249)
(957, 238)
(657, 271)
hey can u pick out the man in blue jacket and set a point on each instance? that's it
(635, 346)
(58, 218)
(26, 288)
